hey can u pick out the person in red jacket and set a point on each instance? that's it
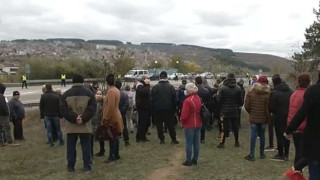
(296, 100)
(191, 122)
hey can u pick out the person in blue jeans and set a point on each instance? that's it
(191, 122)
(257, 105)
(50, 122)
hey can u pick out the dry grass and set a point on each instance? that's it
(35, 160)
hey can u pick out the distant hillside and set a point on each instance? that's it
(264, 60)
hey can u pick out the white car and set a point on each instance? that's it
(207, 75)
(173, 76)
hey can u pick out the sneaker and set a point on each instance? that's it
(194, 162)
(110, 159)
(186, 163)
(269, 149)
(87, 169)
(249, 158)
(162, 142)
(174, 142)
(99, 154)
(277, 158)
(70, 169)
(13, 144)
(51, 145)
(237, 144)
(263, 156)
(286, 158)
(221, 146)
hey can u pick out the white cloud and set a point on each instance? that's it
(272, 26)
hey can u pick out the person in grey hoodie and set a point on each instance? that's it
(4, 117)
(17, 115)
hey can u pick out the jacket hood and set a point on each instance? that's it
(232, 83)
(260, 88)
(282, 87)
(2, 88)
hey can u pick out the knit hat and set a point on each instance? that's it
(77, 78)
(15, 93)
(163, 75)
(191, 88)
(263, 80)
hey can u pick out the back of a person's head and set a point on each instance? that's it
(276, 79)
(263, 80)
(118, 84)
(110, 79)
(48, 87)
(230, 76)
(77, 78)
(304, 80)
(191, 88)
(198, 80)
(127, 88)
(95, 83)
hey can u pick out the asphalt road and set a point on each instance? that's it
(33, 93)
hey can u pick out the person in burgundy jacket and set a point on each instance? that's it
(191, 122)
(296, 100)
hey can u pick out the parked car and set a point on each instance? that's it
(207, 75)
(173, 76)
(135, 74)
(154, 76)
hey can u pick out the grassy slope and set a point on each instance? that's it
(35, 160)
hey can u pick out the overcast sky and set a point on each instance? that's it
(262, 26)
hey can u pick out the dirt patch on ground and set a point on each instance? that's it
(172, 171)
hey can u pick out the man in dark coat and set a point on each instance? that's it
(4, 117)
(230, 99)
(144, 108)
(279, 107)
(309, 109)
(163, 101)
(204, 94)
(123, 107)
(17, 114)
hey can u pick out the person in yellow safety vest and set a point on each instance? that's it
(63, 80)
(24, 81)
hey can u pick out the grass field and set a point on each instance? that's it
(35, 160)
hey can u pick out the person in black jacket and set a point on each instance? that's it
(279, 107)
(49, 111)
(17, 115)
(309, 109)
(230, 99)
(240, 83)
(204, 94)
(123, 107)
(163, 101)
(4, 117)
(143, 108)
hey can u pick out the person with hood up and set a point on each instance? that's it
(279, 107)
(4, 117)
(230, 99)
(257, 105)
(191, 122)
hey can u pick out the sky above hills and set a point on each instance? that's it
(273, 27)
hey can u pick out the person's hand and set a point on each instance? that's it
(79, 119)
(287, 136)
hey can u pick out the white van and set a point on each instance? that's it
(136, 74)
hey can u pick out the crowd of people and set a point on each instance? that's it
(127, 109)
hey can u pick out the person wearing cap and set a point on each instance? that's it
(191, 122)
(143, 108)
(4, 117)
(257, 105)
(50, 113)
(279, 107)
(77, 106)
(163, 102)
(230, 99)
(17, 114)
